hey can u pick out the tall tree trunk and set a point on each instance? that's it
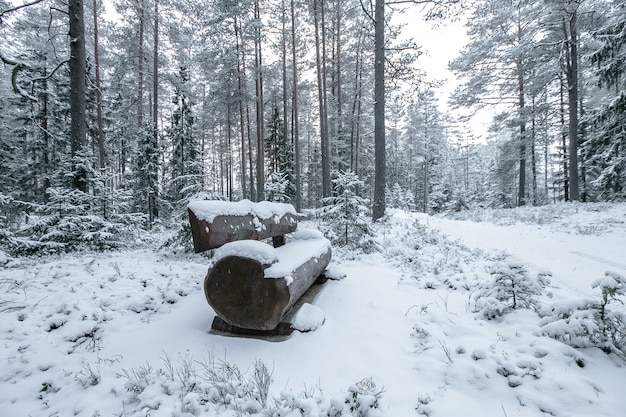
(248, 124)
(98, 88)
(338, 29)
(533, 154)
(564, 151)
(379, 111)
(203, 140)
(47, 160)
(140, 68)
(78, 101)
(284, 73)
(240, 90)
(572, 94)
(356, 109)
(154, 191)
(320, 49)
(229, 150)
(326, 182)
(521, 199)
(294, 105)
(260, 161)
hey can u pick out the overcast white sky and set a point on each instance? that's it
(441, 44)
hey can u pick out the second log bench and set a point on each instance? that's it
(252, 285)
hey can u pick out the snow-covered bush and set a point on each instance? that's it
(443, 200)
(193, 388)
(511, 287)
(346, 214)
(361, 400)
(278, 187)
(399, 198)
(587, 323)
(69, 221)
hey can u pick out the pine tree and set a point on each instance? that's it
(347, 213)
(498, 63)
(281, 160)
(185, 164)
(606, 146)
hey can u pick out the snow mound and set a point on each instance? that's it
(335, 272)
(612, 281)
(4, 259)
(307, 234)
(209, 209)
(265, 254)
(309, 318)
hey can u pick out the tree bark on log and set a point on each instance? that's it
(223, 229)
(236, 288)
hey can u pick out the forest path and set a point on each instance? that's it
(575, 259)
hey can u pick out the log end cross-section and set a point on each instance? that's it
(243, 296)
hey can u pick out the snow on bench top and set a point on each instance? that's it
(282, 261)
(252, 249)
(295, 253)
(209, 209)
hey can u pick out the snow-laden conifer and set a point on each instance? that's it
(346, 213)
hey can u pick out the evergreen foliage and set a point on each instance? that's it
(606, 146)
(185, 166)
(278, 187)
(346, 213)
(592, 322)
(512, 287)
(399, 198)
(69, 221)
(210, 133)
(281, 171)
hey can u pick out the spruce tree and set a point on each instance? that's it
(606, 147)
(185, 165)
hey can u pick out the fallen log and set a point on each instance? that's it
(252, 285)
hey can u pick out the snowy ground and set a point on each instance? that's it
(128, 333)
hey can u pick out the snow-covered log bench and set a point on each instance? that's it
(214, 223)
(252, 285)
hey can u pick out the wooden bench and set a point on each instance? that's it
(252, 285)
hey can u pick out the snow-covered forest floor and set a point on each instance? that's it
(425, 326)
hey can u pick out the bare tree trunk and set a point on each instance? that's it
(533, 151)
(140, 69)
(284, 69)
(203, 139)
(294, 104)
(572, 94)
(154, 192)
(98, 89)
(426, 184)
(564, 143)
(356, 110)
(248, 124)
(229, 150)
(378, 210)
(240, 77)
(338, 29)
(521, 200)
(78, 102)
(260, 162)
(321, 92)
(47, 160)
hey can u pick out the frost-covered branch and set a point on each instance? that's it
(16, 8)
(21, 66)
